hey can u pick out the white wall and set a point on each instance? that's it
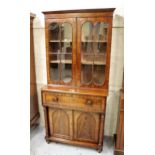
(116, 54)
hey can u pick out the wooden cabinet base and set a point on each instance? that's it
(73, 142)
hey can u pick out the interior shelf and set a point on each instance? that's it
(99, 63)
(62, 61)
(86, 62)
(97, 41)
(83, 53)
(58, 53)
(57, 41)
(83, 62)
(67, 79)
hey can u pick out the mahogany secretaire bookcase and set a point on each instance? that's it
(78, 47)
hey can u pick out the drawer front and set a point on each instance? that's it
(89, 103)
(74, 101)
(57, 99)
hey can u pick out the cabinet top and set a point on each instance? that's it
(74, 90)
(80, 11)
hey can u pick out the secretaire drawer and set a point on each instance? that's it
(89, 103)
(74, 101)
(56, 98)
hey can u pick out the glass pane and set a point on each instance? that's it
(99, 47)
(86, 68)
(87, 29)
(54, 71)
(66, 38)
(87, 37)
(66, 72)
(66, 67)
(66, 47)
(66, 58)
(99, 74)
(86, 74)
(86, 53)
(86, 47)
(54, 32)
(100, 32)
(54, 67)
(54, 38)
(66, 32)
(87, 59)
(54, 47)
(100, 59)
(99, 69)
(54, 58)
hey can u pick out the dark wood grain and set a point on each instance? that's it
(86, 126)
(60, 123)
(72, 101)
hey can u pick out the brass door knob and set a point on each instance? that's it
(55, 99)
(89, 102)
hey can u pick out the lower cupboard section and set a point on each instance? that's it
(74, 125)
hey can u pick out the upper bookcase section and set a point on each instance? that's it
(78, 47)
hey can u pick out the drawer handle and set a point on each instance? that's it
(89, 102)
(55, 99)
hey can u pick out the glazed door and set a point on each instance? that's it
(60, 123)
(94, 43)
(60, 44)
(86, 126)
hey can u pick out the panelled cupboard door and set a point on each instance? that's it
(60, 50)
(60, 123)
(93, 51)
(86, 126)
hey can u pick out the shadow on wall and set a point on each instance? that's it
(116, 75)
(40, 59)
(118, 21)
